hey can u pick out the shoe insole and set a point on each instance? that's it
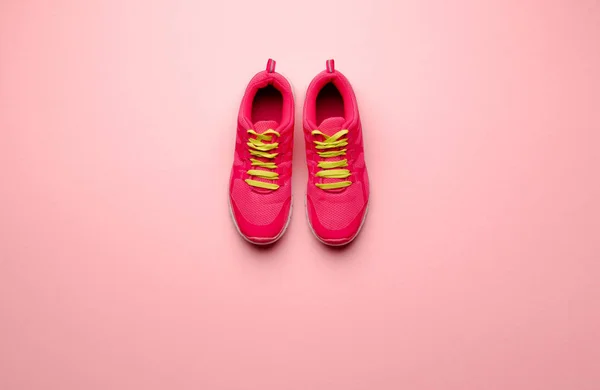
(329, 103)
(267, 105)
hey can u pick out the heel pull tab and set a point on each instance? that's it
(271, 65)
(330, 66)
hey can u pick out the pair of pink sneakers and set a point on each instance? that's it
(260, 189)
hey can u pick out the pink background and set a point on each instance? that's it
(479, 263)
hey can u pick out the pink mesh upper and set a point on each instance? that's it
(258, 206)
(335, 211)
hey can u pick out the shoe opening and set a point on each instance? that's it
(267, 105)
(330, 103)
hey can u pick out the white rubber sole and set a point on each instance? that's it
(328, 243)
(274, 240)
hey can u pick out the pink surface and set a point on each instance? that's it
(479, 263)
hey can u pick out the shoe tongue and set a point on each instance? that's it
(332, 125)
(262, 126)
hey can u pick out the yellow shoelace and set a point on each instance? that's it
(330, 169)
(260, 149)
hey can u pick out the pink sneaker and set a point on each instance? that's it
(338, 185)
(260, 193)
